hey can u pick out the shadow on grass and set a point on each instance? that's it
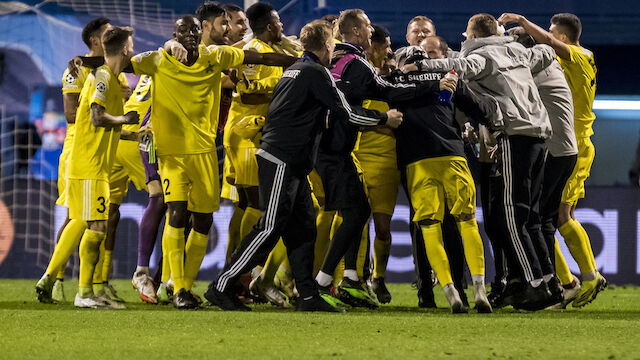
(396, 311)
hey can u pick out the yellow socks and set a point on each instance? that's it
(166, 267)
(435, 252)
(64, 248)
(562, 270)
(362, 251)
(473, 249)
(249, 219)
(381, 251)
(89, 254)
(234, 231)
(106, 265)
(97, 272)
(579, 245)
(277, 256)
(195, 251)
(323, 238)
(174, 239)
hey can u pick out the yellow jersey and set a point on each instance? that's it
(580, 71)
(74, 85)
(140, 101)
(372, 145)
(94, 147)
(261, 79)
(186, 99)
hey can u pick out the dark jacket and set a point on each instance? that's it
(299, 110)
(359, 81)
(430, 129)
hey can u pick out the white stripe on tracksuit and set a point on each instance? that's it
(509, 210)
(269, 223)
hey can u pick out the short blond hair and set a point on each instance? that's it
(483, 25)
(315, 34)
(348, 20)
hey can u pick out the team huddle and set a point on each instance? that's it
(319, 134)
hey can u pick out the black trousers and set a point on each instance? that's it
(557, 171)
(521, 162)
(287, 212)
(344, 191)
(491, 192)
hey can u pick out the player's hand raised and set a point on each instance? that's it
(131, 118)
(448, 84)
(394, 118)
(74, 66)
(508, 18)
(177, 50)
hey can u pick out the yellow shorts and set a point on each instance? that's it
(243, 161)
(88, 199)
(127, 167)
(192, 178)
(433, 181)
(62, 179)
(382, 179)
(574, 188)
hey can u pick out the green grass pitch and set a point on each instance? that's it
(609, 328)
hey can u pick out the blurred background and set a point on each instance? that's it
(37, 38)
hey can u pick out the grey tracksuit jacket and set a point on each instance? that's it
(501, 68)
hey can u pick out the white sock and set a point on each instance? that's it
(477, 279)
(324, 279)
(144, 269)
(351, 275)
(589, 276)
(449, 288)
(547, 277)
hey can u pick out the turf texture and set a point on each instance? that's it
(609, 328)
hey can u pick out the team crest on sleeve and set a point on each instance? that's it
(69, 79)
(101, 87)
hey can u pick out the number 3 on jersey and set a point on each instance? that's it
(102, 207)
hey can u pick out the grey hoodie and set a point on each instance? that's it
(500, 67)
(556, 97)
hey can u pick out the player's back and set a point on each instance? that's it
(580, 71)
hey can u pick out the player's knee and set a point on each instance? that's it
(114, 213)
(202, 222)
(253, 197)
(464, 217)
(564, 214)
(382, 223)
(427, 222)
(177, 211)
(99, 226)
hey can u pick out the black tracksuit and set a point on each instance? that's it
(290, 138)
(342, 186)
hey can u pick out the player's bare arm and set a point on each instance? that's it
(539, 34)
(100, 118)
(270, 59)
(70, 103)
